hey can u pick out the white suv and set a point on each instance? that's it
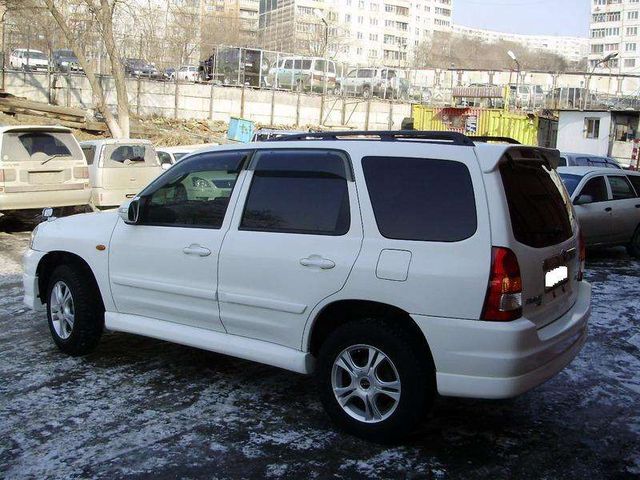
(393, 265)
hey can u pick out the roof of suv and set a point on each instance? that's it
(34, 128)
(582, 171)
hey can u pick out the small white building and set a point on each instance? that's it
(600, 132)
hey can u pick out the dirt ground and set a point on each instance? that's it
(141, 408)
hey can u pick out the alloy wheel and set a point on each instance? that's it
(62, 310)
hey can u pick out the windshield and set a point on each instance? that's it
(570, 181)
(38, 146)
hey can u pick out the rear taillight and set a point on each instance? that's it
(583, 256)
(81, 172)
(7, 175)
(504, 294)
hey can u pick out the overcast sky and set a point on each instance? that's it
(535, 17)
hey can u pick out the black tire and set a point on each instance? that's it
(634, 247)
(412, 362)
(88, 311)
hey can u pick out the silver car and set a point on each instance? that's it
(607, 202)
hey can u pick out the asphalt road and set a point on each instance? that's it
(141, 408)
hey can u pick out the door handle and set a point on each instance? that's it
(608, 209)
(196, 250)
(318, 262)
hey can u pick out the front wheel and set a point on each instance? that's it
(74, 310)
(375, 380)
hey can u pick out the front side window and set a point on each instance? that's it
(621, 188)
(421, 198)
(596, 188)
(570, 181)
(195, 193)
(635, 181)
(298, 191)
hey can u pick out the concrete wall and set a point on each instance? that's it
(202, 101)
(571, 135)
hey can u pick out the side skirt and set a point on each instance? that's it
(233, 345)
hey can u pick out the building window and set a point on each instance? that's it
(591, 128)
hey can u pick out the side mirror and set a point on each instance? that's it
(129, 212)
(583, 200)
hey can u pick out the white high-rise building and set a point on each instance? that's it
(359, 31)
(615, 28)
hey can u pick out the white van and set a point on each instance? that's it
(41, 166)
(119, 169)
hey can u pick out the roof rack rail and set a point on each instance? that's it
(488, 138)
(450, 138)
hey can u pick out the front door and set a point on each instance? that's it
(595, 217)
(291, 245)
(626, 214)
(166, 266)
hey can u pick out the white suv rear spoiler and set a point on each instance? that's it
(491, 155)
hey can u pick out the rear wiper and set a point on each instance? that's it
(55, 156)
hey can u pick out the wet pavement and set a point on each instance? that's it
(141, 408)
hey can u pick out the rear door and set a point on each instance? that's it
(42, 161)
(128, 168)
(545, 233)
(292, 243)
(625, 214)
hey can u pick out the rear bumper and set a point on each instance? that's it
(30, 263)
(42, 199)
(501, 360)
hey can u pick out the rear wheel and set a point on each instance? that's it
(375, 380)
(366, 92)
(74, 310)
(634, 247)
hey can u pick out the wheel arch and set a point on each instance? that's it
(340, 312)
(54, 259)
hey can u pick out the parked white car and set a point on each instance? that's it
(119, 169)
(41, 166)
(24, 59)
(186, 73)
(393, 270)
(171, 155)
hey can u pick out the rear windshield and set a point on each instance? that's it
(539, 205)
(570, 181)
(139, 155)
(39, 146)
(421, 199)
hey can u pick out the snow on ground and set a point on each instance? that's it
(140, 408)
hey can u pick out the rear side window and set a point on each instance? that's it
(89, 153)
(635, 181)
(421, 199)
(621, 188)
(597, 189)
(539, 206)
(298, 191)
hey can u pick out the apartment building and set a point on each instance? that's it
(615, 28)
(574, 49)
(371, 32)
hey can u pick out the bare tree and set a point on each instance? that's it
(102, 13)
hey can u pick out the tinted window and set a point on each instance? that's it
(421, 199)
(597, 189)
(562, 162)
(570, 181)
(132, 154)
(539, 206)
(621, 188)
(165, 158)
(635, 181)
(89, 153)
(298, 191)
(43, 143)
(194, 193)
